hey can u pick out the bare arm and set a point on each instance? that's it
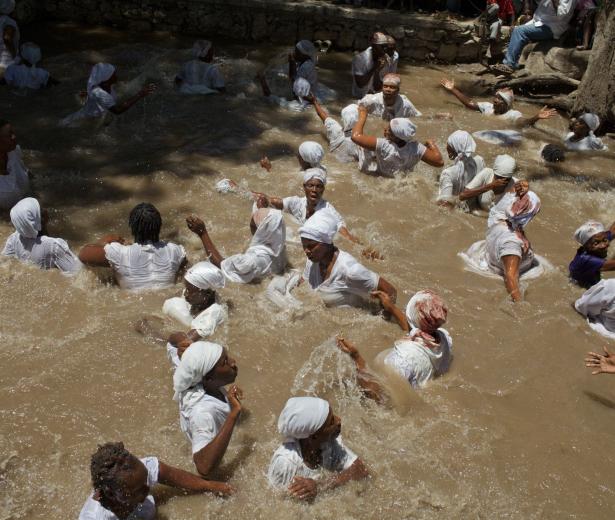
(93, 255)
(543, 113)
(197, 226)
(386, 287)
(365, 141)
(609, 265)
(395, 311)
(511, 276)
(265, 201)
(120, 108)
(178, 478)
(471, 193)
(358, 471)
(322, 113)
(467, 102)
(432, 155)
(348, 235)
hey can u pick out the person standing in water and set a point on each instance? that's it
(26, 74)
(389, 103)
(14, 176)
(370, 66)
(200, 75)
(489, 185)
(581, 136)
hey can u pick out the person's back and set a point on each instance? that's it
(22, 76)
(15, 182)
(198, 72)
(43, 251)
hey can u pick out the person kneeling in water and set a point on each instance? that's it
(122, 484)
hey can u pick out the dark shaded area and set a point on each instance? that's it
(600, 399)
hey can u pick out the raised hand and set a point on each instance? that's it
(346, 346)
(235, 395)
(265, 163)
(448, 84)
(546, 113)
(148, 89)
(196, 225)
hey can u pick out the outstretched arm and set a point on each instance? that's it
(449, 85)
(265, 201)
(178, 478)
(601, 363)
(369, 386)
(120, 108)
(197, 226)
(365, 141)
(322, 113)
(93, 255)
(432, 155)
(511, 276)
(395, 311)
(471, 193)
(544, 113)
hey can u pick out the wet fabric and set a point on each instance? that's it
(375, 105)
(499, 137)
(585, 267)
(320, 227)
(16, 183)
(486, 200)
(403, 128)
(390, 159)
(340, 142)
(362, 63)
(454, 179)
(203, 419)
(205, 323)
(6, 58)
(198, 360)
(199, 77)
(588, 230)
(22, 76)
(302, 417)
(26, 217)
(297, 207)
(93, 510)
(45, 252)
(486, 108)
(591, 142)
(205, 275)
(312, 153)
(597, 304)
(279, 291)
(315, 173)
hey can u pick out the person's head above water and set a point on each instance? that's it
(27, 217)
(314, 182)
(584, 125)
(310, 155)
(460, 144)
(31, 53)
(309, 419)
(426, 311)
(203, 50)
(145, 223)
(103, 75)
(305, 50)
(202, 281)
(593, 237)
(7, 6)
(379, 42)
(503, 100)
(204, 363)
(504, 167)
(390, 88)
(119, 479)
(553, 153)
(317, 234)
(400, 131)
(8, 139)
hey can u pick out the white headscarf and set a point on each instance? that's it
(463, 143)
(403, 128)
(100, 72)
(350, 116)
(196, 362)
(201, 48)
(26, 217)
(504, 166)
(379, 38)
(392, 79)
(591, 120)
(507, 95)
(7, 6)
(301, 88)
(311, 152)
(315, 173)
(31, 52)
(302, 417)
(587, 231)
(320, 227)
(307, 47)
(426, 311)
(205, 275)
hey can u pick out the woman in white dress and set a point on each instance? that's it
(200, 75)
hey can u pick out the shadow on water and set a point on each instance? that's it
(599, 399)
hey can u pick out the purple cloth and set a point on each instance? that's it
(585, 267)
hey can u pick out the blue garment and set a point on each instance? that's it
(585, 267)
(520, 37)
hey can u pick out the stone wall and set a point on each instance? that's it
(420, 37)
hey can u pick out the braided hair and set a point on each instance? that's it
(108, 466)
(145, 223)
(553, 153)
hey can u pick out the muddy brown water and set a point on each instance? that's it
(517, 429)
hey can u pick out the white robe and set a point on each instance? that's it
(591, 142)
(362, 63)
(340, 142)
(199, 77)
(403, 107)
(15, 184)
(97, 105)
(202, 419)
(43, 251)
(22, 76)
(204, 323)
(389, 159)
(597, 304)
(297, 207)
(454, 179)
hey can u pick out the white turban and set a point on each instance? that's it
(205, 275)
(591, 120)
(392, 79)
(301, 88)
(7, 6)
(307, 47)
(31, 52)
(320, 227)
(584, 233)
(379, 38)
(26, 217)
(315, 173)
(463, 143)
(403, 128)
(507, 95)
(426, 311)
(350, 116)
(504, 166)
(196, 362)
(302, 417)
(100, 72)
(201, 48)
(312, 153)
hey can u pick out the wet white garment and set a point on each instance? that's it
(340, 142)
(6, 58)
(454, 179)
(203, 418)
(279, 290)
(403, 107)
(22, 76)
(204, 323)
(287, 462)
(486, 200)
(307, 70)
(197, 74)
(93, 510)
(98, 103)
(348, 285)
(597, 304)
(362, 63)
(266, 253)
(500, 137)
(591, 142)
(43, 251)
(389, 159)
(147, 266)
(15, 184)
(418, 363)
(297, 207)
(502, 241)
(486, 108)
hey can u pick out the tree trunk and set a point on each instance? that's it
(597, 90)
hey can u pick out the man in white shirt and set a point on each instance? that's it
(371, 65)
(550, 21)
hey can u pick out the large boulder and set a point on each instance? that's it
(547, 57)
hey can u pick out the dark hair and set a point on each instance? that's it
(553, 153)
(145, 223)
(108, 466)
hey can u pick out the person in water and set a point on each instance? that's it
(14, 176)
(208, 413)
(26, 74)
(31, 244)
(123, 483)
(200, 75)
(370, 66)
(148, 263)
(389, 103)
(581, 136)
(396, 152)
(9, 36)
(309, 155)
(601, 363)
(312, 442)
(102, 98)
(490, 184)
(266, 253)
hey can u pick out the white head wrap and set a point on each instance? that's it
(201, 48)
(100, 72)
(507, 95)
(591, 120)
(302, 417)
(205, 275)
(463, 143)
(7, 6)
(403, 128)
(392, 79)
(350, 116)
(586, 231)
(26, 217)
(307, 47)
(197, 360)
(426, 311)
(311, 152)
(379, 38)
(504, 166)
(31, 52)
(320, 227)
(301, 88)
(315, 173)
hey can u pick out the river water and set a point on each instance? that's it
(517, 429)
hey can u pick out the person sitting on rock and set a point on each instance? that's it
(389, 103)
(200, 75)
(370, 66)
